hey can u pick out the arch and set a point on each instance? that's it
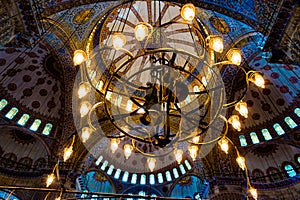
(274, 174)
(40, 163)
(25, 163)
(258, 176)
(9, 160)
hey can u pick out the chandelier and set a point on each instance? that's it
(151, 84)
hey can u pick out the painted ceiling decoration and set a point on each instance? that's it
(37, 42)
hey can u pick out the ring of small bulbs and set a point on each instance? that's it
(215, 43)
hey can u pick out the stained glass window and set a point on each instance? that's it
(168, 176)
(47, 129)
(254, 138)
(175, 173)
(143, 179)
(6, 195)
(181, 167)
(278, 129)
(125, 176)
(243, 140)
(104, 165)
(187, 164)
(22, 121)
(160, 178)
(290, 122)
(3, 103)
(12, 113)
(36, 124)
(297, 111)
(117, 174)
(152, 179)
(290, 170)
(266, 134)
(133, 178)
(110, 169)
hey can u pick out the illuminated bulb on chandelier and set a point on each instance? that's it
(127, 150)
(67, 153)
(234, 120)
(151, 163)
(57, 198)
(118, 41)
(178, 155)
(241, 162)
(85, 108)
(141, 32)
(241, 107)
(50, 179)
(193, 150)
(259, 80)
(196, 139)
(83, 90)
(85, 133)
(253, 192)
(79, 57)
(223, 143)
(114, 142)
(216, 43)
(234, 56)
(188, 12)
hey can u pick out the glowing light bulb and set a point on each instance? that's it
(253, 192)
(85, 133)
(84, 89)
(118, 40)
(141, 32)
(241, 107)
(85, 108)
(216, 43)
(67, 153)
(234, 56)
(151, 163)
(234, 120)
(57, 198)
(127, 150)
(196, 139)
(114, 142)
(224, 145)
(178, 155)
(193, 150)
(79, 57)
(259, 80)
(241, 162)
(188, 12)
(50, 179)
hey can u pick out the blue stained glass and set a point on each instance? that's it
(168, 176)
(290, 122)
(243, 140)
(254, 138)
(35, 125)
(117, 174)
(22, 121)
(3, 103)
(278, 129)
(6, 195)
(125, 176)
(133, 178)
(290, 170)
(152, 179)
(12, 113)
(143, 179)
(175, 173)
(297, 111)
(47, 129)
(266, 134)
(110, 170)
(160, 178)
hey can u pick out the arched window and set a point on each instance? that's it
(117, 174)
(274, 174)
(36, 124)
(266, 134)
(289, 169)
(290, 122)
(125, 176)
(22, 121)
(258, 176)
(243, 140)
(254, 138)
(278, 129)
(47, 129)
(25, 163)
(12, 113)
(297, 111)
(3, 103)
